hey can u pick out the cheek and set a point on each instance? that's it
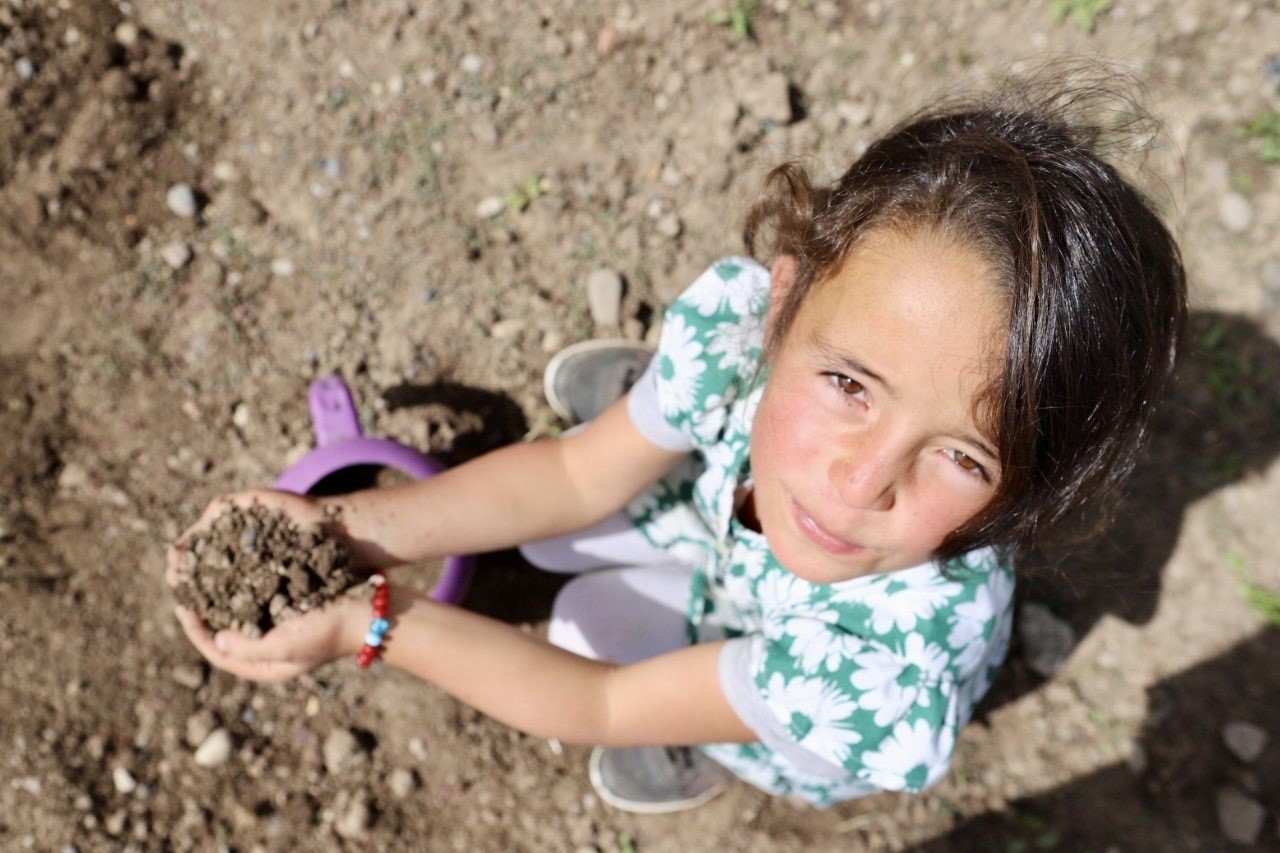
(781, 437)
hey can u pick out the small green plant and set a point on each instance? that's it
(520, 196)
(737, 17)
(1084, 12)
(1266, 129)
(1265, 601)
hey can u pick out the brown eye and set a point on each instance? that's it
(967, 462)
(848, 385)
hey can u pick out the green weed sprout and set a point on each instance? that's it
(737, 18)
(1084, 12)
(1265, 127)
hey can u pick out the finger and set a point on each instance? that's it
(226, 660)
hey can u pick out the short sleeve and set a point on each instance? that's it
(838, 706)
(709, 353)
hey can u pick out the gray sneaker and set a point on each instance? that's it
(584, 379)
(655, 779)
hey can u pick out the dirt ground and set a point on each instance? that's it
(414, 195)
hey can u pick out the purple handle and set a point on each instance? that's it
(340, 444)
(333, 412)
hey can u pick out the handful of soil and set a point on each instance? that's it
(252, 569)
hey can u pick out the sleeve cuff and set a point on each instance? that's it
(646, 414)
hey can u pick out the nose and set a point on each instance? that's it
(867, 475)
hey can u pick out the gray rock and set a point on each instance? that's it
(472, 63)
(181, 200)
(24, 68)
(353, 822)
(604, 297)
(341, 751)
(669, 226)
(1235, 212)
(1240, 817)
(215, 750)
(1047, 641)
(1270, 274)
(1245, 740)
(199, 725)
(126, 34)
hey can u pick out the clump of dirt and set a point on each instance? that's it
(252, 569)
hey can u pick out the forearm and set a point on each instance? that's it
(529, 684)
(514, 495)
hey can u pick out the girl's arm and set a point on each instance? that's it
(517, 494)
(517, 678)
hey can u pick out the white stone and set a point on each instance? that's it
(240, 415)
(1235, 213)
(126, 34)
(669, 226)
(215, 750)
(225, 172)
(354, 820)
(490, 207)
(282, 267)
(24, 68)
(402, 782)
(1245, 740)
(473, 63)
(176, 254)
(604, 297)
(181, 200)
(123, 780)
(72, 476)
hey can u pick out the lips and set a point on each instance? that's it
(825, 540)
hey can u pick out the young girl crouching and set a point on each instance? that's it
(797, 531)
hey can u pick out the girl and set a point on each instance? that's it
(813, 495)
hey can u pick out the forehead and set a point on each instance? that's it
(921, 310)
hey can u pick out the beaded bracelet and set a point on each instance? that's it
(378, 627)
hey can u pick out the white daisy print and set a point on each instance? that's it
(913, 756)
(823, 727)
(812, 644)
(725, 288)
(681, 366)
(973, 620)
(896, 605)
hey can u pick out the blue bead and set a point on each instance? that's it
(379, 626)
(372, 639)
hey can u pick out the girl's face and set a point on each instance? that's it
(866, 450)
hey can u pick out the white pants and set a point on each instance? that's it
(629, 601)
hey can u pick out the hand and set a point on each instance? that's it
(288, 650)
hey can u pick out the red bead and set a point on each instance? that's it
(366, 656)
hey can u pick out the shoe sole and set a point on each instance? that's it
(641, 807)
(558, 404)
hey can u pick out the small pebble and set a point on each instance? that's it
(490, 207)
(353, 823)
(282, 268)
(224, 172)
(24, 68)
(181, 200)
(606, 40)
(669, 226)
(176, 254)
(189, 676)
(604, 297)
(126, 34)
(341, 750)
(1047, 641)
(1235, 213)
(472, 63)
(1239, 816)
(240, 415)
(1245, 740)
(402, 782)
(123, 780)
(215, 750)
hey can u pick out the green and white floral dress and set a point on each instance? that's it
(852, 687)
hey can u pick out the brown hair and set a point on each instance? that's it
(1092, 280)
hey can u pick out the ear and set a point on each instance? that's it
(782, 277)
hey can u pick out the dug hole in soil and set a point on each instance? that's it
(206, 206)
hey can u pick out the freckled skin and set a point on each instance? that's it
(854, 475)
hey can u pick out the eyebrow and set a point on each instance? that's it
(851, 363)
